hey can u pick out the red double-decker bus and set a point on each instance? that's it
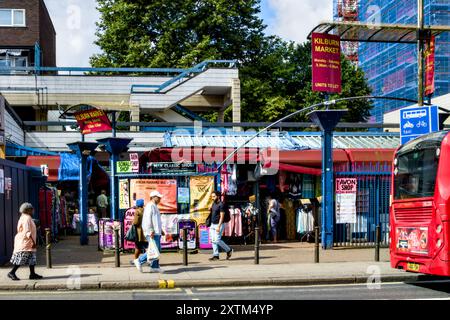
(420, 205)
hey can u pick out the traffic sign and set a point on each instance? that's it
(415, 122)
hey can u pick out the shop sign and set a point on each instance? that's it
(134, 158)
(93, 120)
(172, 168)
(123, 167)
(346, 189)
(326, 63)
(412, 239)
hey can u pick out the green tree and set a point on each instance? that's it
(275, 75)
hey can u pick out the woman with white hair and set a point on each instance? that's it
(25, 243)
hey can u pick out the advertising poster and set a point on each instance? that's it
(127, 223)
(412, 239)
(204, 237)
(429, 66)
(2, 181)
(124, 194)
(326, 63)
(346, 189)
(91, 121)
(170, 227)
(8, 187)
(106, 236)
(191, 234)
(183, 195)
(141, 189)
(201, 189)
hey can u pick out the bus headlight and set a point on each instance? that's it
(395, 161)
(438, 152)
(439, 243)
(395, 171)
(439, 229)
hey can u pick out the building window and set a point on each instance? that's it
(12, 18)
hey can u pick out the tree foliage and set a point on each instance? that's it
(275, 75)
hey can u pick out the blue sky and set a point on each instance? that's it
(74, 22)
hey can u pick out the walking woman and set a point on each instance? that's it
(25, 244)
(141, 243)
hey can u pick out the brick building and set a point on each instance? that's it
(25, 26)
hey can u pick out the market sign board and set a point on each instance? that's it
(346, 189)
(172, 168)
(93, 120)
(124, 167)
(430, 66)
(415, 122)
(326, 63)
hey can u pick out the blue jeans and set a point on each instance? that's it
(143, 257)
(216, 239)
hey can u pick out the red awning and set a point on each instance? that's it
(299, 169)
(53, 163)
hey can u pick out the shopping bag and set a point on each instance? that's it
(131, 234)
(152, 251)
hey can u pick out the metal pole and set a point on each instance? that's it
(113, 186)
(84, 240)
(377, 243)
(113, 124)
(48, 246)
(420, 52)
(327, 189)
(185, 248)
(257, 244)
(117, 247)
(316, 245)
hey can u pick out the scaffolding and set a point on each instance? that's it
(348, 11)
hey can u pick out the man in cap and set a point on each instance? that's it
(152, 228)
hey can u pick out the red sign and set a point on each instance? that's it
(93, 120)
(346, 185)
(326, 63)
(429, 66)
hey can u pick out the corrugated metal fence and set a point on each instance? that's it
(17, 185)
(372, 205)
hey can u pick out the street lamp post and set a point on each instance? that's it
(83, 150)
(327, 120)
(114, 146)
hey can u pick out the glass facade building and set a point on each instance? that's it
(391, 69)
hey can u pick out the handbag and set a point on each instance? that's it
(208, 221)
(131, 234)
(152, 251)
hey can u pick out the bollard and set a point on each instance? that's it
(185, 247)
(117, 249)
(48, 246)
(377, 243)
(256, 245)
(316, 245)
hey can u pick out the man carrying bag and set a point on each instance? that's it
(152, 228)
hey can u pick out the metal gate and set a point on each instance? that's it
(372, 207)
(18, 184)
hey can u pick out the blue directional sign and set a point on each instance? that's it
(415, 122)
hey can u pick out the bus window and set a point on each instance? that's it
(415, 176)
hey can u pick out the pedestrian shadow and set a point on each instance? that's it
(71, 276)
(250, 258)
(187, 269)
(178, 264)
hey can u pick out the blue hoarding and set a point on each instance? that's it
(415, 122)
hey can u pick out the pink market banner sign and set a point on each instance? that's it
(326, 63)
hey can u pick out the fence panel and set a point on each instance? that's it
(23, 187)
(372, 207)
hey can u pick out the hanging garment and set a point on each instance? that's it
(224, 174)
(290, 219)
(295, 187)
(232, 181)
(282, 180)
(234, 227)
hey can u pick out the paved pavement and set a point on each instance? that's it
(76, 267)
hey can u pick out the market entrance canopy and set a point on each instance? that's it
(379, 32)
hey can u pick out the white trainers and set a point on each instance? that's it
(138, 265)
(156, 270)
